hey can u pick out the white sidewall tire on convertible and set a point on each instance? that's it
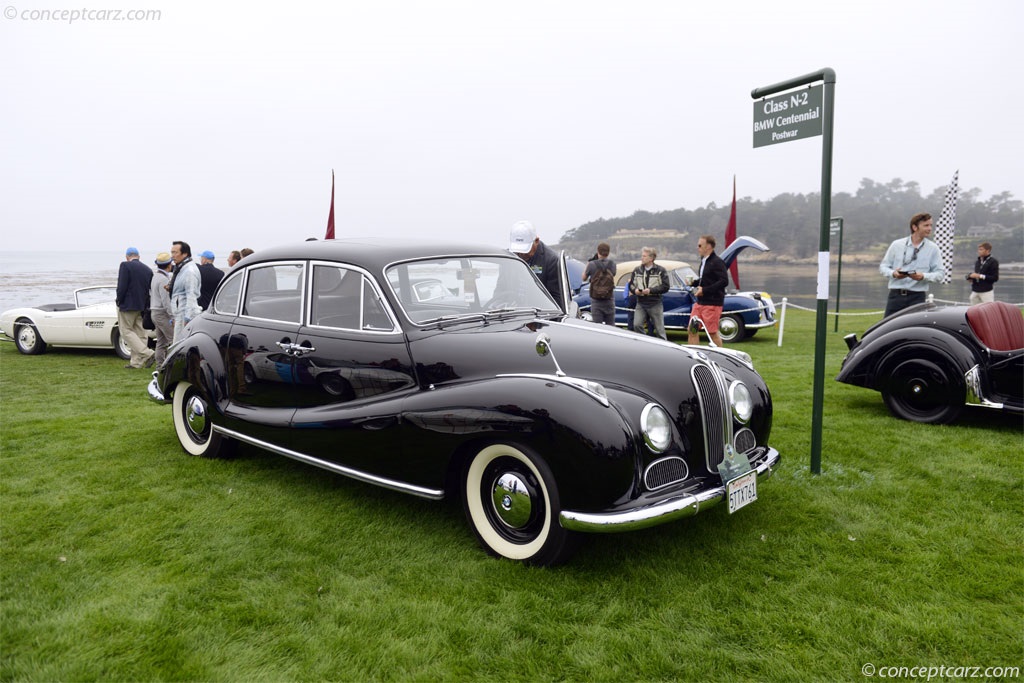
(27, 339)
(121, 347)
(512, 504)
(193, 427)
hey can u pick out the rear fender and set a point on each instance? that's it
(868, 364)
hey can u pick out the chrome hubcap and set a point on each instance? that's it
(195, 414)
(512, 501)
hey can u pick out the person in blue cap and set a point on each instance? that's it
(211, 276)
(133, 279)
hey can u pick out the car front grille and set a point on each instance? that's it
(664, 472)
(714, 412)
(745, 441)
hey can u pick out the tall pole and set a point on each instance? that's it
(829, 78)
(819, 330)
(838, 223)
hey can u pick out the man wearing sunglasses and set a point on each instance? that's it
(910, 264)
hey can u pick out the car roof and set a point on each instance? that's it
(628, 266)
(372, 253)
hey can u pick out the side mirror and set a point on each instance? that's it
(542, 343)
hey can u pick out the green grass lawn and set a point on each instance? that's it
(124, 559)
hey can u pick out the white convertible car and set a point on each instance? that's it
(88, 323)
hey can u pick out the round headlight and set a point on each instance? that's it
(742, 403)
(656, 427)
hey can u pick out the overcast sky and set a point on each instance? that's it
(221, 124)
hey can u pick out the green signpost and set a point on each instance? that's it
(777, 123)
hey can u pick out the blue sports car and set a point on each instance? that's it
(743, 315)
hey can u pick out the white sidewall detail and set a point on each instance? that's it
(180, 428)
(480, 519)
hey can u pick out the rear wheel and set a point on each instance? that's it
(27, 339)
(924, 390)
(512, 504)
(731, 328)
(193, 426)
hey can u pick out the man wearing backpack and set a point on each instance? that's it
(600, 273)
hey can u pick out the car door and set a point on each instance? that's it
(565, 287)
(260, 349)
(352, 373)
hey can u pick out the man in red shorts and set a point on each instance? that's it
(709, 289)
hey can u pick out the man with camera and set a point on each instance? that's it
(984, 275)
(910, 264)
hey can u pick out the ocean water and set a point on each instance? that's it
(29, 278)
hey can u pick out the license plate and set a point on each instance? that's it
(741, 491)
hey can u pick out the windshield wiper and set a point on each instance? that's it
(442, 319)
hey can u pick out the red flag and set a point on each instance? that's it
(330, 216)
(730, 236)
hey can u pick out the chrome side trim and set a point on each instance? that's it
(422, 492)
(670, 510)
(574, 382)
(975, 396)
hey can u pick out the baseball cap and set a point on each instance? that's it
(163, 258)
(208, 254)
(131, 251)
(521, 238)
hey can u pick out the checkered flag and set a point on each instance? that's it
(946, 226)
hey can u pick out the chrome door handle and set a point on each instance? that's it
(295, 349)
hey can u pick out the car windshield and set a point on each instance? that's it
(682, 277)
(90, 296)
(453, 287)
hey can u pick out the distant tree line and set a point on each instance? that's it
(789, 223)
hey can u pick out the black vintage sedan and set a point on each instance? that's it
(930, 361)
(544, 425)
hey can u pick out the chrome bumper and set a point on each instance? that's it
(660, 513)
(154, 393)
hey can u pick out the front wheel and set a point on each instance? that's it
(512, 504)
(193, 426)
(731, 328)
(922, 390)
(27, 339)
(121, 348)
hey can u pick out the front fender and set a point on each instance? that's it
(197, 360)
(751, 308)
(588, 446)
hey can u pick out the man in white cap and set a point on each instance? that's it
(524, 243)
(160, 305)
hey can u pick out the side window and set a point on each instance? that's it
(274, 292)
(374, 317)
(227, 298)
(336, 297)
(344, 298)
